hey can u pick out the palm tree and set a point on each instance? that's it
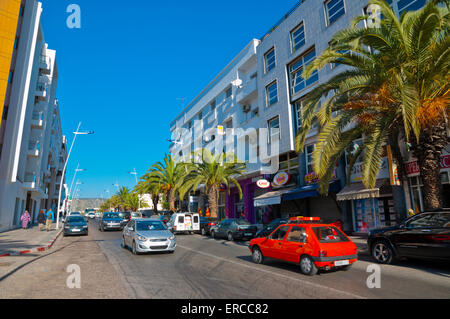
(213, 171)
(148, 186)
(170, 175)
(123, 197)
(396, 87)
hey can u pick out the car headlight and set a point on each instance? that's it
(85, 227)
(171, 237)
(141, 238)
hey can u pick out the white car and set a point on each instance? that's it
(184, 223)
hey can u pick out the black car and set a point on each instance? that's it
(233, 229)
(206, 224)
(126, 217)
(76, 225)
(269, 228)
(111, 221)
(426, 235)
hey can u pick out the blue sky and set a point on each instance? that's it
(122, 73)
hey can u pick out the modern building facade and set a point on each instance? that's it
(32, 147)
(276, 105)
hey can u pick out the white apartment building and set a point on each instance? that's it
(32, 147)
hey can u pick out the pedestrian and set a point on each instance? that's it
(49, 220)
(25, 218)
(41, 219)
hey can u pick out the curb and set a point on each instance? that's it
(34, 250)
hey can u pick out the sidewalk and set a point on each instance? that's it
(22, 241)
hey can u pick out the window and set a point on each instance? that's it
(271, 94)
(213, 105)
(289, 163)
(269, 60)
(280, 233)
(228, 93)
(309, 150)
(409, 5)
(425, 221)
(334, 9)
(297, 38)
(329, 234)
(297, 81)
(297, 234)
(274, 129)
(335, 65)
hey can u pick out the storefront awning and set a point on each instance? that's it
(271, 198)
(301, 192)
(359, 191)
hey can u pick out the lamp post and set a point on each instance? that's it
(135, 176)
(65, 167)
(78, 169)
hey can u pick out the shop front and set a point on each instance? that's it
(416, 184)
(371, 208)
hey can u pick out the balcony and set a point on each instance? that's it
(37, 121)
(248, 92)
(33, 149)
(44, 64)
(41, 90)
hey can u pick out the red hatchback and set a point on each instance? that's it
(307, 242)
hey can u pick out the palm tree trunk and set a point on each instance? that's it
(155, 201)
(211, 192)
(171, 199)
(428, 153)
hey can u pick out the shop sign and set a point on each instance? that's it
(356, 174)
(313, 178)
(281, 179)
(412, 168)
(263, 183)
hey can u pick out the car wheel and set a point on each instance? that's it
(230, 237)
(307, 266)
(382, 252)
(257, 256)
(203, 232)
(213, 234)
(135, 252)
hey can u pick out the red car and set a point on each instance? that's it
(307, 242)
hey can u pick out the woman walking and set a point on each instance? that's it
(25, 218)
(41, 219)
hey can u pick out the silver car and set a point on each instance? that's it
(148, 235)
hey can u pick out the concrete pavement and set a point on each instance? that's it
(24, 241)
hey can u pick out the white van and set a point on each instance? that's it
(184, 223)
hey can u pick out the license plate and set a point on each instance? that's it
(248, 234)
(76, 230)
(112, 225)
(342, 263)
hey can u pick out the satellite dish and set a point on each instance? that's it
(237, 83)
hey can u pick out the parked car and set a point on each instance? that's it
(147, 213)
(184, 223)
(111, 221)
(135, 215)
(98, 215)
(234, 229)
(269, 228)
(206, 224)
(307, 242)
(75, 225)
(164, 218)
(148, 235)
(424, 236)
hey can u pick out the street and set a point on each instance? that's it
(202, 268)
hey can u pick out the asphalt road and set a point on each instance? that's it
(202, 268)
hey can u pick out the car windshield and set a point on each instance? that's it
(150, 225)
(111, 215)
(76, 219)
(75, 213)
(125, 215)
(242, 222)
(135, 214)
(329, 234)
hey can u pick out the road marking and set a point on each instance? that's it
(274, 273)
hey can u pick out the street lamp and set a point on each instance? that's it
(65, 167)
(78, 169)
(135, 176)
